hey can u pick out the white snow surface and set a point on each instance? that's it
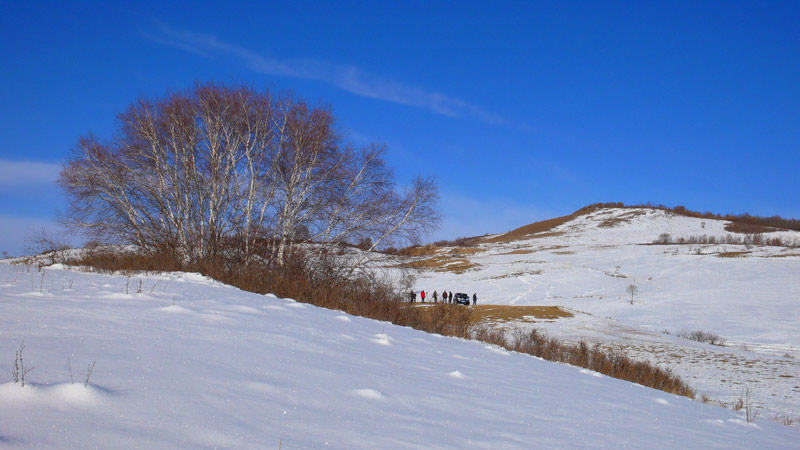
(585, 266)
(185, 362)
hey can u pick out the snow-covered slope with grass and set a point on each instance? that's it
(184, 362)
(748, 295)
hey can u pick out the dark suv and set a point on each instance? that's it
(462, 298)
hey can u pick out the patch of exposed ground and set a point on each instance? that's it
(622, 218)
(466, 251)
(423, 250)
(552, 247)
(534, 230)
(732, 254)
(487, 314)
(522, 251)
(441, 263)
(516, 274)
(504, 314)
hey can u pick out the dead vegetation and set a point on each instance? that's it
(419, 250)
(517, 274)
(483, 314)
(319, 284)
(594, 358)
(728, 239)
(466, 251)
(623, 218)
(535, 230)
(732, 254)
(748, 228)
(702, 336)
(522, 251)
(441, 263)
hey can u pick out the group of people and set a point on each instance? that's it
(447, 297)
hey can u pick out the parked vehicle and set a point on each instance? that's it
(462, 298)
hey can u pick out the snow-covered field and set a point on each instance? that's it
(752, 299)
(185, 362)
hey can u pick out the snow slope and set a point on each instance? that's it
(185, 362)
(585, 265)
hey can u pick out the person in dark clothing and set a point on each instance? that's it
(435, 296)
(475, 298)
(451, 297)
(413, 296)
(444, 296)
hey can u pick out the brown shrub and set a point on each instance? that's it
(747, 228)
(615, 365)
(316, 282)
(319, 283)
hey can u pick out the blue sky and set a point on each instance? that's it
(524, 110)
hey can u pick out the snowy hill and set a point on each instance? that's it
(185, 362)
(746, 294)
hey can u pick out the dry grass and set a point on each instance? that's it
(623, 218)
(732, 254)
(616, 365)
(522, 251)
(366, 297)
(316, 284)
(748, 228)
(467, 251)
(441, 263)
(482, 314)
(495, 314)
(424, 250)
(533, 230)
(517, 274)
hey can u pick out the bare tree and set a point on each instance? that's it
(45, 243)
(226, 168)
(632, 289)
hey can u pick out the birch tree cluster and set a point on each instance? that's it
(226, 169)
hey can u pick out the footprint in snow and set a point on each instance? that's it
(344, 318)
(370, 394)
(273, 307)
(244, 309)
(457, 374)
(661, 401)
(381, 338)
(592, 373)
(175, 309)
(496, 349)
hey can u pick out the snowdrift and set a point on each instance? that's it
(185, 362)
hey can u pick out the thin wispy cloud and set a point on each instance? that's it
(27, 173)
(348, 78)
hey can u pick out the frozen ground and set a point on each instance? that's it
(752, 299)
(185, 362)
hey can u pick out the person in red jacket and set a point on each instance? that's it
(422, 296)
